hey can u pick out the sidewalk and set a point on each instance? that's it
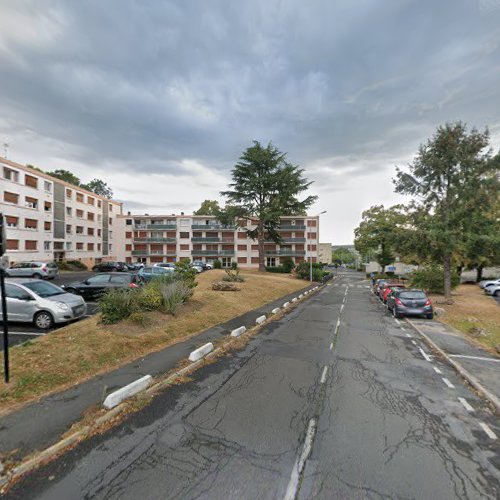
(40, 424)
(478, 366)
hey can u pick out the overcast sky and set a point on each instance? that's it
(159, 98)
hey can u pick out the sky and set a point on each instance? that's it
(159, 98)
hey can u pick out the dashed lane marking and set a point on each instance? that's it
(413, 342)
(424, 354)
(408, 335)
(465, 404)
(323, 375)
(488, 431)
(448, 383)
(341, 308)
(437, 370)
(331, 346)
(397, 321)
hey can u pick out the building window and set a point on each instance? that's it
(69, 211)
(79, 229)
(30, 245)
(128, 222)
(68, 245)
(30, 202)
(226, 261)
(68, 229)
(242, 260)
(90, 200)
(128, 234)
(242, 248)
(271, 261)
(79, 213)
(46, 245)
(69, 193)
(99, 231)
(99, 203)
(79, 197)
(255, 248)
(90, 231)
(184, 235)
(31, 181)
(110, 207)
(312, 236)
(47, 186)
(10, 197)
(12, 221)
(99, 217)
(184, 222)
(12, 244)
(90, 216)
(30, 223)
(90, 247)
(47, 225)
(110, 247)
(110, 221)
(98, 247)
(79, 246)
(47, 206)
(128, 248)
(10, 175)
(184, 247)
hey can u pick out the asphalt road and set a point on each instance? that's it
(305, 410)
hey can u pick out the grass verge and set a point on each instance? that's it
(472, 313)
(82, 350)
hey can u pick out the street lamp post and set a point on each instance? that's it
(309, 245)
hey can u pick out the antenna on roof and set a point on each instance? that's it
(5, 149)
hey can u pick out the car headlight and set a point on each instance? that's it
(62, 306)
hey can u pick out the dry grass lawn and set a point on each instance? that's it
(474, 314)
(81, 350)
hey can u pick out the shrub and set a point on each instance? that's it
(217, 264)
(234, 266)
(117, 304)
(303, 271)
(150, 297)
(185, 273)
(71, 265)
(287, 264)
(173, 295)
(140, 318)
(233, 276)
(277, 269)
(431, 279)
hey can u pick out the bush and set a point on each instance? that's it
(287, 264)
(117, 304)
(173, 295)
(431, 279)
(217, 264)
(233, 276)
(71, 265)
(150, 297)
(303, 271)
(186, 273)
(140, 318)
(234, 266)
(277, 269)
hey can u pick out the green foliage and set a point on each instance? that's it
(217, 264)
(117, 304)
(208, 207)
(184, 272)
(140, 318)
(233, 275)
(287, 264)
(303, 271)
(343, 256)
(66, 176)
(173, 295)
(71, 265)
(99, 187)
(431, 279)
(265, 186)
(277, 269)
(234, 265)
(150, 297)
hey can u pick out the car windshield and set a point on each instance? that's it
(412, 295)
(44, 289)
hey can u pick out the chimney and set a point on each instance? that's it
(182, 213)
(128, 213)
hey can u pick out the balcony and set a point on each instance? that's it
(154, 252)
(289, 240)
(155, 240)
(285, 252)
(213, 253)
(284, 227)
(172, 227)
(209, 239)
(213, 227)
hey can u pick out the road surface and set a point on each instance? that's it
(306, 410)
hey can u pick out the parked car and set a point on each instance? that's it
(408, 302)
(485, 283)
(134, 266)
(197, 268)
(379, 285)
(97, 285)
(150, 272)
(204, 265)
(386, 290)
(35, 269)
(41, 303)
(493, 290)
(166, 265)
(107, 267)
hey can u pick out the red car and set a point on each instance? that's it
(387, 288)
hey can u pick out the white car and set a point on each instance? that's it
(198, 269)
(493, 290)
(485, 283)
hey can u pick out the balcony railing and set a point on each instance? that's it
(156, 226)
(212, 253)
(156, 240)
(289, 240)
(154, 252)
(213, 227)
(285, 252)
(297, 227)
(211, 239)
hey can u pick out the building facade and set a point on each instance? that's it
(169, 238)
(49, 219)
(325, 253)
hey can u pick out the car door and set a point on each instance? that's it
(20, 304)
(119, 281)
(95, 286)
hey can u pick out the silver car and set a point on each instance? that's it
(42, 303)
(36, 269)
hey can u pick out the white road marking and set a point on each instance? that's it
(488, 431)
(408, 335)
(331, 346)
(341, 308)
(36, 334)
(473, 357)
(413, 342)
(437, 370)
(291, 491)
(397, 321)
(337, 326)
(323, 375)
(466, 405)
(403, 328)
(424, 354)
(448, 383)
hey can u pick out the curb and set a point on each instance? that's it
(201, 352)
(116, 397)
(460, 369)
(260, 319)
(238, 331)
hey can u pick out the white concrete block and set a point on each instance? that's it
(276, 310)
(260, 319)
(115, 398)
(294, 299)
(201, 352)
(286, 304)
(301, 295)
(239, 331)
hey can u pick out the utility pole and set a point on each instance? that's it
(308, 245)
(3, 265)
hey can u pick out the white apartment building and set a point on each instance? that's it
(49, 219)
(169, 238)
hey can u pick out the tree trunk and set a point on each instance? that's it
(260, 241)
(479, 274)
(447, 277)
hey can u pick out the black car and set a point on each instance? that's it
(405, 302)
(107, 267)
(96, 286)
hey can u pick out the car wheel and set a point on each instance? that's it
(43, 320)
(430, 316)
(37, 276)
(495, 294)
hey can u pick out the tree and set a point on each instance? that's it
(343, 256)
(443, 178)
(208, 207)
(378, 231)
(99, 187)
(265, 187)
(65, 175)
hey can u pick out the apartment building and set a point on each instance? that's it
(49, 219)
(169, 238)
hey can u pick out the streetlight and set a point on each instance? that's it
(309, 245)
